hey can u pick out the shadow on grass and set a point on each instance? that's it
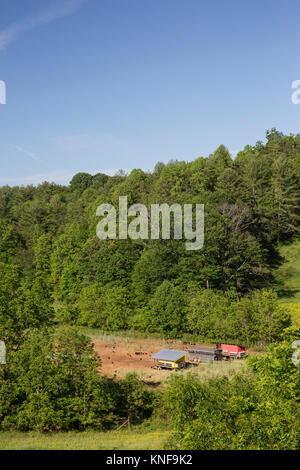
(283, 293)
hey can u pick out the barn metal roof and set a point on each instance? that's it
(202, 350)
(169, 354)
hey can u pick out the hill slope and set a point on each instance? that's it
(288, 278)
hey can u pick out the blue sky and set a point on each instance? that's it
(99, 85)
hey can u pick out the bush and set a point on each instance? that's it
(53, 383)
(256, 410)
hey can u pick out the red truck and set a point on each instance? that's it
(234, 351)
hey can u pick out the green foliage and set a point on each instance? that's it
(118, 308)
(47, 236)
(165, 312)
(253, 319)
(258, 409)
(54, 269)
(91, 306)
(140, 400)
(53, 383)
(22, 305)
(80, 182)
(259, 318)
(9, 241)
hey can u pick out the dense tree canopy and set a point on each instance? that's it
(258, 409)
(53, 262)
(56, 274)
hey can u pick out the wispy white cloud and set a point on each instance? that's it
(26, 152)
(59, 177)
(13, 31)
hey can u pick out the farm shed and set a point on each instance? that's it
(233, 350)
(198, 354)
(170, 358)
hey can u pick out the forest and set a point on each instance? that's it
(57, 276)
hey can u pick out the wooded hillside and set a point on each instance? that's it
(54, 266)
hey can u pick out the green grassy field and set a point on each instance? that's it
(91, 440)
(288, 274)
(288, 279)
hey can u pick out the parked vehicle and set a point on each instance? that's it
(174, 359)
(233, 351)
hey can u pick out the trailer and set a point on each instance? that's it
(174, 359)
(198, 354)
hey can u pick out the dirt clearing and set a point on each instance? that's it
(120, 355)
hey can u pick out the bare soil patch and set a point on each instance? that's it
(121, 355)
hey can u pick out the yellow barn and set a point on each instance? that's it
(170, 359)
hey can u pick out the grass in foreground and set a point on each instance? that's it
(204, 371)
(90, 440)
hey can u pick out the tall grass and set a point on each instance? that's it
(127, 335)
(90, 440)
(204, 371)
(133, 336)
(288, 274)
